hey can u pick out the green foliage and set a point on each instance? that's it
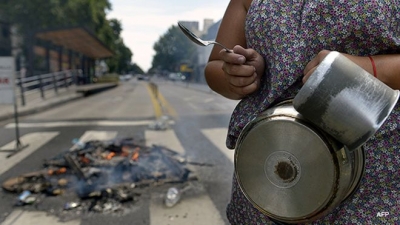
(172, 49)
(34, 15)
(135, 69)
(108, 78)
(121, 62)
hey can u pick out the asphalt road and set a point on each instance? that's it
(196, 129)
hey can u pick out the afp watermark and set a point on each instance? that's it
(382, 214)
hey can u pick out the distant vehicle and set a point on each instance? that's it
(176, 77)
(143, 77)
(125, 77)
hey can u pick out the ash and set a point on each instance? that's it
(99, 177)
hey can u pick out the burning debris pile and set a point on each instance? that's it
(104, 174)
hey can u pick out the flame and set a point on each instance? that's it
(85, 160)
(125, 151)
(57, 171)
(135, 155)
(110, 155)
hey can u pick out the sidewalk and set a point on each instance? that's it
(35, 103)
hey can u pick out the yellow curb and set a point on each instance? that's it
(164, 103)
(156, 105)
(160, 104)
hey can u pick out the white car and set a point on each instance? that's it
(176, 77)
(125, 77)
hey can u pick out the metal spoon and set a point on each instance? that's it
(198, 40)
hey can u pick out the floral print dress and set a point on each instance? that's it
(288, 34)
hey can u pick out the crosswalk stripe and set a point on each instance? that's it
(103, 123)
(19, 217)
(98, 135)
(219, 142)
(195, 207)
(193, 210)
(166, 138)
(196, 210)
(33, 141)
(95, 135)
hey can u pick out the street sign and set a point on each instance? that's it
(7, 80)
(185, 68)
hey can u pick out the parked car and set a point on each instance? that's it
(176, 77)
(143, 77)
(125, 77)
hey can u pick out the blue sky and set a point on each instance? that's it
(144, 21)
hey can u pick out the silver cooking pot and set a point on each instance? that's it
(291, 170)
(345, 101)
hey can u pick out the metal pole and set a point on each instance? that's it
(18, 144)
(41, 86)
(21, 87)
(55, 81)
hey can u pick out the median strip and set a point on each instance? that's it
(160, 104)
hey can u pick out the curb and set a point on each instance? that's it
(37, 109)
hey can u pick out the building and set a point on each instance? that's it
(204, 52)
(208, 32)
(193, 26)
(52, 50)
(5, 37)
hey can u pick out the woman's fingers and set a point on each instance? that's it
(241, 81)
(307, 75)
(232, 58)
(243, 91)
(240, 70)
(313, 64)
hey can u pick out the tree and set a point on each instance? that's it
(172, 49)
(121, 62)
(90, 14)
(135, 68)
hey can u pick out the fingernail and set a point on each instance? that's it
(242, 59)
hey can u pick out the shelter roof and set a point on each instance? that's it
(77, 39)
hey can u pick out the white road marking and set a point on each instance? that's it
(194, 210)
(165, 138)
(19, 217)
(217, 136)
(103, 123)
(33, 141)
(98, 135)
(95, 135)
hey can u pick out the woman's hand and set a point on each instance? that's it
(243, 69)
(313, 64)
(362, 61)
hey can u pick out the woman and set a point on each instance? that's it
(276, 46)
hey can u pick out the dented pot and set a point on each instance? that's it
(291, 170)
(345, 100)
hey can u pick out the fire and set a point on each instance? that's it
(110, 155)
(57, 171)
(135, 155)
(85, 160)
(125, 151)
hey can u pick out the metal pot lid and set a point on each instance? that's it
(293, 174)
